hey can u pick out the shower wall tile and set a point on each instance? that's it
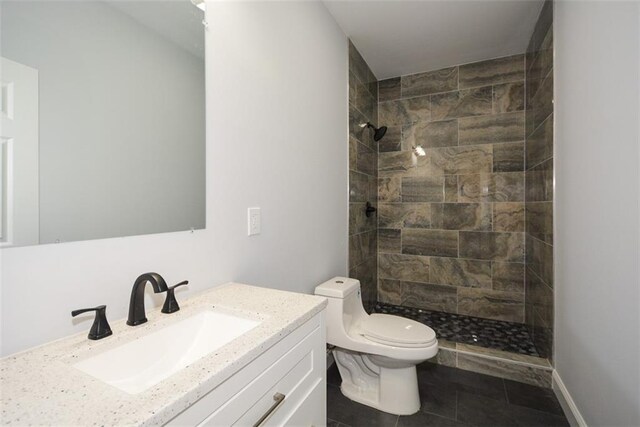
(463, 216)
(421, 295)
(422, 189)
(410, 268)
(508, 97)
(491, 304)
(507, 276)
(417, 241)
(392, 140)
(463, 103)
(508, 157)
(460, 210)
(404, 111)
(508, 216)
(389, 240)
(451, 188)
(539, 182)
(443, 80)
(404, 215)
(460, 160)
(430, 134)
(363, 176)
(540, 221)
(460, 272)
(506, 127)
(495, 187)
(493, 71)
(524, 373)
(389, 189)
(389, 89)
(493, 246)
(540, 143)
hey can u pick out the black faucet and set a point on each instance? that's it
(100, 328)
(137, 314)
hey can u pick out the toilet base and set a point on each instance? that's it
(389, 387)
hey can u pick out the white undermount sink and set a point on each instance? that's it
(135, 366)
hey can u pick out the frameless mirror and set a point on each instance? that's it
(103, 119)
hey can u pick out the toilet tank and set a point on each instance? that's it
(344, 309)
(338, 287)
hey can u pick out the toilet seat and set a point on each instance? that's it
(397, 331)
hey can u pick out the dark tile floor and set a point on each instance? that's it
(496, 334)
(453, 397)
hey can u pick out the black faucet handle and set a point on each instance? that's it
(100, 328)
(171, 304)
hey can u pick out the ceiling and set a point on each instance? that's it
(399, 37)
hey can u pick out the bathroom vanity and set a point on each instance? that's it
(235, 354)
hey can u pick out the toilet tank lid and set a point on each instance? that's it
(338, 287)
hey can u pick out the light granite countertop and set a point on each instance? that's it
(40, 387)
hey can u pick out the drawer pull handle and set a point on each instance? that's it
(278, 399)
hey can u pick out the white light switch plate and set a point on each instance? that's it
(253, 216)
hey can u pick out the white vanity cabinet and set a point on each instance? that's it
(284, 386)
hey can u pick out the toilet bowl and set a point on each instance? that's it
(376, 354)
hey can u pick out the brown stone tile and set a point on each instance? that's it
(404, 215)
(539, 259)
(430, 134)
(542, 27)
(464, 216)
(539, 145)
(497, 187)
(444, 357)
(389, 241)
(367, 274)
(541, 105)
(539, 182)
(353, 150)
(443, 80)
(417, 241)
(422, 189)
(529, 374)
(540, 220)
(412, 268)
(353, 85)
(508, 97)
(355, 131)
(505, 127)
(419, 295)
(508, 157)
(460, 272)
(392, 140)
(464, 103)
(492, 71)
(361, 247)
(358, 66)
(358, 187)
(366, 103)
(508, 216)
(507, 276)
(539, 309)
(389, 189)
(507, 355)
(358, 221)
(492, 246)
(451, 188)
(389, 89)
(490, 304)
(404, 111)
(367, 160)
(396, 163)
(461, 160)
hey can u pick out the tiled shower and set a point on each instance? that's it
(463, 234)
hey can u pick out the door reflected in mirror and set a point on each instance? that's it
(103, 119)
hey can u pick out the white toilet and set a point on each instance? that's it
(376, 354)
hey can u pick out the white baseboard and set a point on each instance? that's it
(566, 401)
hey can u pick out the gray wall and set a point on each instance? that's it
(597, 324)
(121, 142)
